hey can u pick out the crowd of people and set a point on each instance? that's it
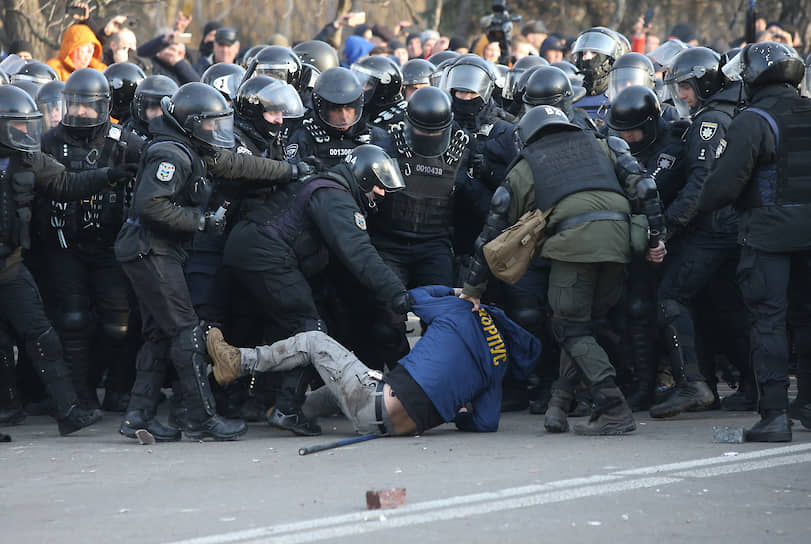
(248, 226)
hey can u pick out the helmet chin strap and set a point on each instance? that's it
(371, 198)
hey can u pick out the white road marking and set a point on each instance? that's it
(510, 498)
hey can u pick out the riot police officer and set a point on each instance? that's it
(550, 86)
(382, 82)
(703, 244)
(636, 116)
(335, 126)
(761, 167)
(225, 77)
(24, 172)
(512, 99)
(280, 248)
(80, 277)
(170, 191)
(594, 52)
(51, 103)
(123, 77)
(636, 69)
(576, 175)
(146, 104)
(416, 74)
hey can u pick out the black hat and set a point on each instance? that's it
(534, 27)
(19, 45)
(227, 36)
(211, 25)
(457, 43)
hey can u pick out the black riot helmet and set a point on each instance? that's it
(225, 77)
(28, 86)
(549, 85)
(20, 120)
(538, 121)
(320, 55)
(263, 94)
(766, 63)
(51, 102)
(416, 73)
(470, 73)
(518, 69)
(636, 107)
(148, 94)
(698, 67)
(521, 86)
(630, 69)
(250, 54)
(87, 99)
(278, 62)
(337, 88)
(594, 52)
(123, 77)
(441, 70)
(371, 166)
(201, 113)
(441, 56)
(36, 71)
(429, 122)
(381, 79)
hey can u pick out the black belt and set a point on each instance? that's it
(579, 219)
(379, 407)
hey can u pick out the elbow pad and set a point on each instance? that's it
(626, 164)
(649, 204)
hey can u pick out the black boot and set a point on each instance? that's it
(46, 357)
(188, 353)
(556, 417)
(805, 415)
(11, 409)
(287, 413)
(610, 413)
(687, 395)
(76, 346)
(744, 399)
(773, 427)
(138, 419)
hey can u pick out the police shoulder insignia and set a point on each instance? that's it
(665, 161)
(360, 220)
(722, 146)
(166, 171)
(707, 130)
(291, 150)
(702, 154)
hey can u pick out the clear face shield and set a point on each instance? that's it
(597, 42)
(733, 69)
(663, 55)
(511, 83)
(85, 111)
(216, 130)
(427, 144)
(369, 80)
(621, 78)
(283, 99)
(278, 71)
(23, 132)
(388, 175)
(340, 116)
(469, 78)
(52, 111)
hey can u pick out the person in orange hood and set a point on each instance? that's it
(80, 49)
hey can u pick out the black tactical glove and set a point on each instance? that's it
(401, 303)
(122, 173)
(302, 170)
(477, 165)
(212, 223)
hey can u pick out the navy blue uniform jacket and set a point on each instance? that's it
(464, 356)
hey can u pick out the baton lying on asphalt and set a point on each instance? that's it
(338, 444)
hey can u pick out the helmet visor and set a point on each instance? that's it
(388, 175)
(427, 144)
(214, 130)
(368, 82)
(52, 112)
(340, 116)
(663, 55)
(280, 71)
(12, 64)
(511, 83)
(281, 98)
(85, 111)
(621, 78)
(734, 67)
(598, 42)
(23, 133)
(681, 106)
(227, 85)
(469, 78)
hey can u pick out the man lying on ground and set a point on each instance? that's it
(453, 373)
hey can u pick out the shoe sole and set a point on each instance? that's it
(588, 432)
(294, 431)
(691, 408)
(770, 437)
(202, 435)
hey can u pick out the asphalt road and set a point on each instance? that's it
(667, 482)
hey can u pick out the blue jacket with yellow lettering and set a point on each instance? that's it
(464, 356)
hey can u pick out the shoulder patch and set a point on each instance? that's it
(722, 146)
(243, 150)
(360, 220)
(707, 130)
(166, 171)
(665, 161)
(291, 150)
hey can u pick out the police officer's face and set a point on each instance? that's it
(342, 117)
(410, 89)
(273, 117)
(153, 111)
(83, 110)
(632, 136)
(687, 94)
(464, 95)
(23, 127)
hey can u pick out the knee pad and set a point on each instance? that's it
(531, 319)
(75, 313)
(639, 308)
(46, 346)
(668, 311)
(115, 331)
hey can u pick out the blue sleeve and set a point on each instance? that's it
(423, 296)
(486, 412)
(152, 47)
